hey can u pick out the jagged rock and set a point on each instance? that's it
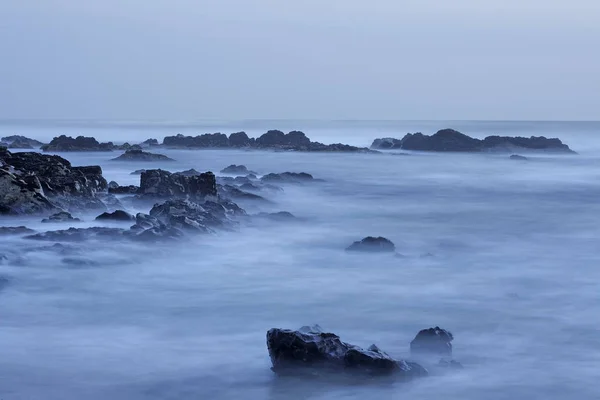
(239, 139)
(432, 341)
(78, 234)
(451, 140)
(118, 215)
(372, 244)
(208, 140)
(189, 172)
(186, 215)
(15, 230)
(163, 184)
(112, 185)
(130, 189)
(138, 172)
(288, 177)
(150, 142)
(311, 350)
(21, 142)
(236, 170)
(22, 195)
(140, 155)
(80, 143)
(62, 216)
(518, 157)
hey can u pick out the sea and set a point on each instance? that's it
(503, 253)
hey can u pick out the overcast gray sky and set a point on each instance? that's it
(302, 59)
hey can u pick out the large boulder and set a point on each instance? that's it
(117, 215)
(80, 143)
(372, 244)
(157, 183)
(310, 350)
(140, 155)
(433, 341)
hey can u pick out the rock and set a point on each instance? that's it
(158, 183)
(15, 230)
(35, 183)
(432, 341)
(150, 142)
(250, 187)
(80, 262)
(372, 244)
(138, 172)
(118, 215)
(239, 139)
(236, 170)
(454, 141)
(450, 364)
(311, 350)
(208, 140)
(233, 193)
(21, 142)
(78, 234)
(113, 185)
(140, 155)
(186, 215)
(62, 216)
(288, 177)
(80, 143)
(131, 189)
(518, 157)
(189, 172)
(277, 216)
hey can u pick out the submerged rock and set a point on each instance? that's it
(117, 215)
(432, 341)
(62, 216)
(236, 170)
(15, 230)
(138, 172)
(277, 216)
(78, 234)
(518, 157)
(372, 244)
(311, 350)
(288, 177)
(140, 155)
(233, 193)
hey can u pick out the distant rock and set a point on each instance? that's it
(189, 172)
(237, 170)
(450, 364)
(78, 234)
(130, 189)
(518, 157)
(433, 341)
(281, 216)
(62, 216)
(138, 172)
(239, 139)
(208, 140)
(449, 140)
(233, 193)
(372, 244)
(80, 143)
(15, 230)
(310, 351)
(21, 142)
(140, 155)
(288, 177)
(118, 215)
(150, 143)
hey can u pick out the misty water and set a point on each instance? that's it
(503, 253)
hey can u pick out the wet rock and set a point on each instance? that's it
(372, 244)
(310, 350)
(140, 155)
(61, 217)
(22, 195)
(80, 143)
(158, 183)
(432, 341)
(130, 189)
(518, 157)
(78, 234)
(236, 170)
(288, 177)
(186, 215)
(15, 230)
(118, 215)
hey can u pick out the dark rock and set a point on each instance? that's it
(239, 139)
(158, 183)
(236, 170)
(454, 141)
(21, 142)
(150, 142)
(131, 189)
(208, 140)
(288, 177)
(140, 155)
(62, 216)
(80, 143)
(78, 234)
(138, 172)
(311, 350)
(15, 230)
(233, 193)
(22, 195)
(189, 172)
(518, 157)
(113, 185)
(280, 216)
(186, 215)
(432, 341)
(372, 244)
(118, 215)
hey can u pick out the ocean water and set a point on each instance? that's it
(502, 253)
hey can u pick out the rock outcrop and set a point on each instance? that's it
(311, 351)
(372, 244)
(20, 142)
(288, 177)
(61, 217)
(33, 183)
(157, 183)
(15, 230)
(449, 140)
(236, 170)
(433, 341)
(130, 189)
(80, 143)
(140, 155)
(117, 215)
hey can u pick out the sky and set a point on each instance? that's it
(302, 59)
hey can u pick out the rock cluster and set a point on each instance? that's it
(20, 142)
(80, 143)
(140, 155)
(372, 244)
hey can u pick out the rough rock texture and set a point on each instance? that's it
(433, 341)
(61, 217)
(80, 143)
(131, 189)
(239, 139)
(189, 172)
(118, 215)
(288, 177)
(15, 230)
(140, 155)
(309, 348)
(372, 244)
(451, 140)
(158, 183)
(236, 170)
(20, 142)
